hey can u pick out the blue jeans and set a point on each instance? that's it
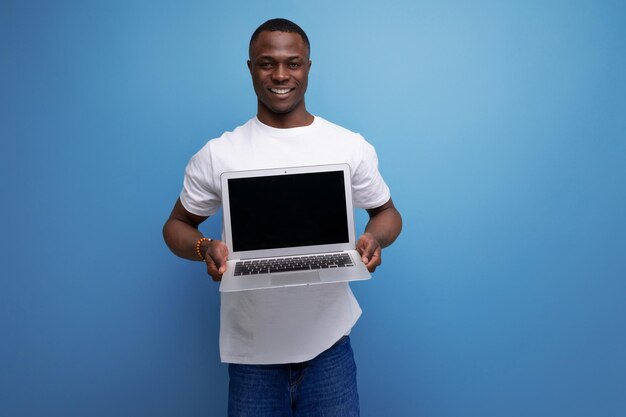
(324, 386)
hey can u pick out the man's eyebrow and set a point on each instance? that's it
(274, 58)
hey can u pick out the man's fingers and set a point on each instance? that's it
(219, 252)
(368, 250)
(374, 261)
(211, 269)
(216, 260)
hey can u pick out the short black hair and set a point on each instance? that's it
(280, 25)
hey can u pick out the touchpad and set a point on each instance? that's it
(296, 279)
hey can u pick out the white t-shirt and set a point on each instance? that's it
(295, 324)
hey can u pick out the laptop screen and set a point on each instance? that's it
(281, 211)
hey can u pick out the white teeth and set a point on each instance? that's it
(280, 90)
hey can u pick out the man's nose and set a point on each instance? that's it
(280, 73)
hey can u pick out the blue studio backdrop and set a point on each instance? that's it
(500, 128)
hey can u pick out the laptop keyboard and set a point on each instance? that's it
(296, 263)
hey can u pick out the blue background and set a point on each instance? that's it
(500, 127)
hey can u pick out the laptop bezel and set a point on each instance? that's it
(292, 251)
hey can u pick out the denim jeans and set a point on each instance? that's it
(324, 386)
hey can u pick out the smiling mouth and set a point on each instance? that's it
(281, 91)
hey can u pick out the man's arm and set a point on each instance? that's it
(181, 235)
(382, 229)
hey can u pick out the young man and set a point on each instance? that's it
(287, 348)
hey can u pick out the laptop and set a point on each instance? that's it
(289, 227)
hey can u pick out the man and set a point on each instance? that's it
(287, 348)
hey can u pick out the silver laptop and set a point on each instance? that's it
(288, 227)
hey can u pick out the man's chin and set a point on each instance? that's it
(284, 105)
(285, 109)
(282, 112)
(282, 108)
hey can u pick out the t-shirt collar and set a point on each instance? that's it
(283, 133)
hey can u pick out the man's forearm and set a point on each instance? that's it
(181, 238)
(181, 233)
(385, 224)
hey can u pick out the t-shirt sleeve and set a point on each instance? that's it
(369, 190)
(200, 195)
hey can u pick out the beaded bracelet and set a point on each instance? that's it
(198, 243)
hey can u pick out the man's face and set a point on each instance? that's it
(279, 65)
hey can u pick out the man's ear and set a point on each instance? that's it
(310, 63)
(249, 66)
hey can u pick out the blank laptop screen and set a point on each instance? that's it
(288, 210)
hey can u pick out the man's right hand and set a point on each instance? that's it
(215, 257)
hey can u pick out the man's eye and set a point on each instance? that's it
(265, 65)
(294, 65)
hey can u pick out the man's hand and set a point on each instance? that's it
(215, 257)
(370, 251)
